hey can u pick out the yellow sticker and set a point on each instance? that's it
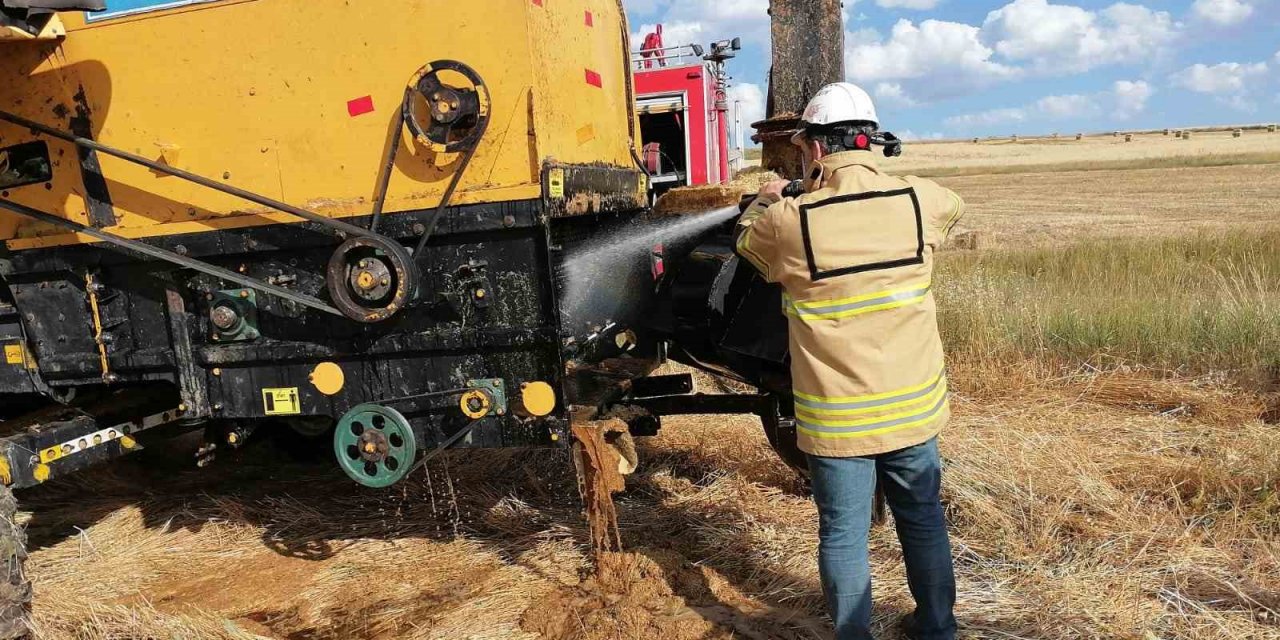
(281, 402)
(555, 183)
(14, 354)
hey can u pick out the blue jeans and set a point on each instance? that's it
(844, 489)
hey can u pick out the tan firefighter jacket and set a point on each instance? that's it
(854, 256)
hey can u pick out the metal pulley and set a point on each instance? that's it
(443, 117)
(375, 445)
(371, 279)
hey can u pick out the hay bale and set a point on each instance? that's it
(1237, 133)
(975, 141)
(1186, 135)
(701, 198)
(1128, 137)
(1271, 128)
(968, 240)
(1177, 134)
(1079, 136)
(1167, 132)
(1015, 137)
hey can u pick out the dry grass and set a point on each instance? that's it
(1079, 510)
(1054, 209)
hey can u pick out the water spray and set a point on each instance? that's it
(592, 272)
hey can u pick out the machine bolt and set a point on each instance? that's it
(217, 371)
(419, 228)
(481, 293)
(244, 294)
(224, 317)
(508, 221)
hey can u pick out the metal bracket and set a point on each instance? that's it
(239, 308)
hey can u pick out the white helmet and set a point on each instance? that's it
(840, 102)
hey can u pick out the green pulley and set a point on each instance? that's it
(375, 445)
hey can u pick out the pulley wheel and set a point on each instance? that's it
(443, 117)
(371, 279)
(375, 445)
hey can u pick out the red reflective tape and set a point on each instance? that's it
(593, 79)
(360, 106)
(591, 22)
(538, 2)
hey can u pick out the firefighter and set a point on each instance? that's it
(854, 256)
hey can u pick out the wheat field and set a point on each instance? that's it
(1113, 469)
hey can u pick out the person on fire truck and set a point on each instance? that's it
(854, 256)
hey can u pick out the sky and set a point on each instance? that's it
(962, 68)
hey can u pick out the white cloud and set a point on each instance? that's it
(1219, 79)
(948, 59)
(1222, 12)
(892, 94)
(986, 118)
(673, 34)
(1058, 38)
(919, 5)
(910, 135)
(703, 21)
(1070, 106)
(1130, 98)
(1240, 102)
(750, 100)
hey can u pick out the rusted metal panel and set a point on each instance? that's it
(808, 53)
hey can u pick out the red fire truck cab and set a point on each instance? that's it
(684, 112)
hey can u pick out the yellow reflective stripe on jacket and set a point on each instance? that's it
(830, 413)
(889, 396)
(956, 207)
(744, 250)
(874, 426)
(858, 305)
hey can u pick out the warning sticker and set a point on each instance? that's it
(555, 183)
(14, 354)
(281, 402)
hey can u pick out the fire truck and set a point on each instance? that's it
(684, 111)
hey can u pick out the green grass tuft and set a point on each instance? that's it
(1200, 304)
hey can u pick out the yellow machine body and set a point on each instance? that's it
(296, 100)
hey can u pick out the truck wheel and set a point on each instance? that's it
(781, 432)
(15, 589)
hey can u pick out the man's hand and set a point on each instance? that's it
(775, 187)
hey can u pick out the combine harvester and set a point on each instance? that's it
(347, 219)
